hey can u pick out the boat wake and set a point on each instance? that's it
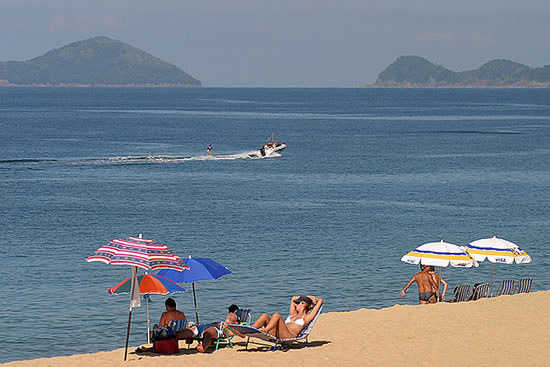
(33, 163)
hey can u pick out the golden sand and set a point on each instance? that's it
(502, 331)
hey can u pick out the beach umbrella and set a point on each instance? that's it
(497, 250)
(440, 254)
(137, 252)
(148, 284)
(200, 268)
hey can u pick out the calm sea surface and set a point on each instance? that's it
(368, 174)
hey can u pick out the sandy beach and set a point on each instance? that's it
(504, 331)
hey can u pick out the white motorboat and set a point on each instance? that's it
(272, 147)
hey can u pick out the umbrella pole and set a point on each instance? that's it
(128, 333)
(135, 301)
(438, 285)
(492, 277)
(195, 300)
(148, 322)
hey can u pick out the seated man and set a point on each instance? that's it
(171, 313)
(162, 329)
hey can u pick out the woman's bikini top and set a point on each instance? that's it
(299, 321)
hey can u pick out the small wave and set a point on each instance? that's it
(224, 100)
(480, 132)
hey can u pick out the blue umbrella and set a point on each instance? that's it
(200, 268)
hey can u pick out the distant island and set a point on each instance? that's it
(95, 62)
(417, 72)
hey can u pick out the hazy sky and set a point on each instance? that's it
(287, 43)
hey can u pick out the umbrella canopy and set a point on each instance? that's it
(148, 284)
(200, 268)
(140, 252)
(497, 250)
(440, 254)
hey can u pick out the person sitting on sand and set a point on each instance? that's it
(437, 279)
(302, 311)
(426, 285)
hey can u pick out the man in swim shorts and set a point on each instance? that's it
(208, 333)
(426, 285)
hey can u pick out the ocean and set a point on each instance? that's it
(367, 175)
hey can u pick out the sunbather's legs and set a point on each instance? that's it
(185, 334)
(277, 327)
(262, 321)
(207, 336)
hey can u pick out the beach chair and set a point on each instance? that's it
(244, 317)
(461, 293)
(252, 332)
(524, 285)
(506, 287)
(481, 291)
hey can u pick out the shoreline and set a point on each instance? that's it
(505, 330)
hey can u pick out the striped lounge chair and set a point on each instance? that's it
(481, 291)
(461, 293)
(524, 285)
(506, 287)
(252, 332)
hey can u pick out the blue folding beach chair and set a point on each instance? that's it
(252, 332)
(506, 287)
(244, 316)
(178, 325)
(524, 285)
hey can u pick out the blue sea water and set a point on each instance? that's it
(367, 175)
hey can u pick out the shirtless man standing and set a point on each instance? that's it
(426, 285)
(171, 313)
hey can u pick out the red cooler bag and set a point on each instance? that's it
(168, 346)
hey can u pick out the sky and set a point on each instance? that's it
(287, 43)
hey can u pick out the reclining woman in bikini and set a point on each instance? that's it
(302, 311)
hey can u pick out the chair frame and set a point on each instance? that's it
(482, 291)
(506, 287)
(461, 293)
(524, 285)
(227, 338)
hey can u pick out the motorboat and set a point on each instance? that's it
(272, 147)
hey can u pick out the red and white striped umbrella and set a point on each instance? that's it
(140, 252)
